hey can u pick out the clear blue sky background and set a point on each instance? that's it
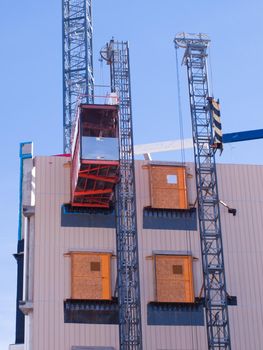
(31, 87)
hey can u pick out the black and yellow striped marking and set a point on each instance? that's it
(216, 120)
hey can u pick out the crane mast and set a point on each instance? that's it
(130, 334)
(78, 80)
(78, 86)
(215, 293)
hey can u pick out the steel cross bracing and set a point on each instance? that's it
(77, 61)
(117, 55)
(217, 319)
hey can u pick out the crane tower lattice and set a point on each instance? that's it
(78, 85)
(130, 333)
(217, 318)
(77, 61)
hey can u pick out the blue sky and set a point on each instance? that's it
(31, 86)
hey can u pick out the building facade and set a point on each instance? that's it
(69, 262)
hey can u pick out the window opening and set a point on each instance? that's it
(172, 179)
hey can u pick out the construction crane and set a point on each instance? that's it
(78, 79)
(215, 290)
(78, 87)
(116, 53)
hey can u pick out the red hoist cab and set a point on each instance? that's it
(95, 156)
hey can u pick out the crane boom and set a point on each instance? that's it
(215, 292)
(239, 136)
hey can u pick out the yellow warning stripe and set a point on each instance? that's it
(218, 131)
(217, 118)
(215, 105)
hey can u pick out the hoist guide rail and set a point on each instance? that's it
(215, 295)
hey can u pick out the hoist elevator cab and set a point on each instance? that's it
(95, 156)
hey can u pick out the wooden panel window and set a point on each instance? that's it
(174, 278)
(90, 275)
(168, 187)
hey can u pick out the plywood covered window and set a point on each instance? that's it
(174, 278)
(168, 187)
(90, 275)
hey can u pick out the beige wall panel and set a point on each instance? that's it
(240, 186)
(52, 267)
(164, 337)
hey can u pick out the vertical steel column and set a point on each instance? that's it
(217, 319)
(117, 55)
(77, 61)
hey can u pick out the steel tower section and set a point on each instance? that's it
(77, 61)
(217, 319)
(130, 333)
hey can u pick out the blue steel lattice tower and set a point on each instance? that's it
(217, 319)
(78, 86)
(130, 332)
(78, 80)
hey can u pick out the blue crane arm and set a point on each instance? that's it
(243, 136)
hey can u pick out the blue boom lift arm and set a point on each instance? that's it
(243, 136)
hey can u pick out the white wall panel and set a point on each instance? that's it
(240, 186)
